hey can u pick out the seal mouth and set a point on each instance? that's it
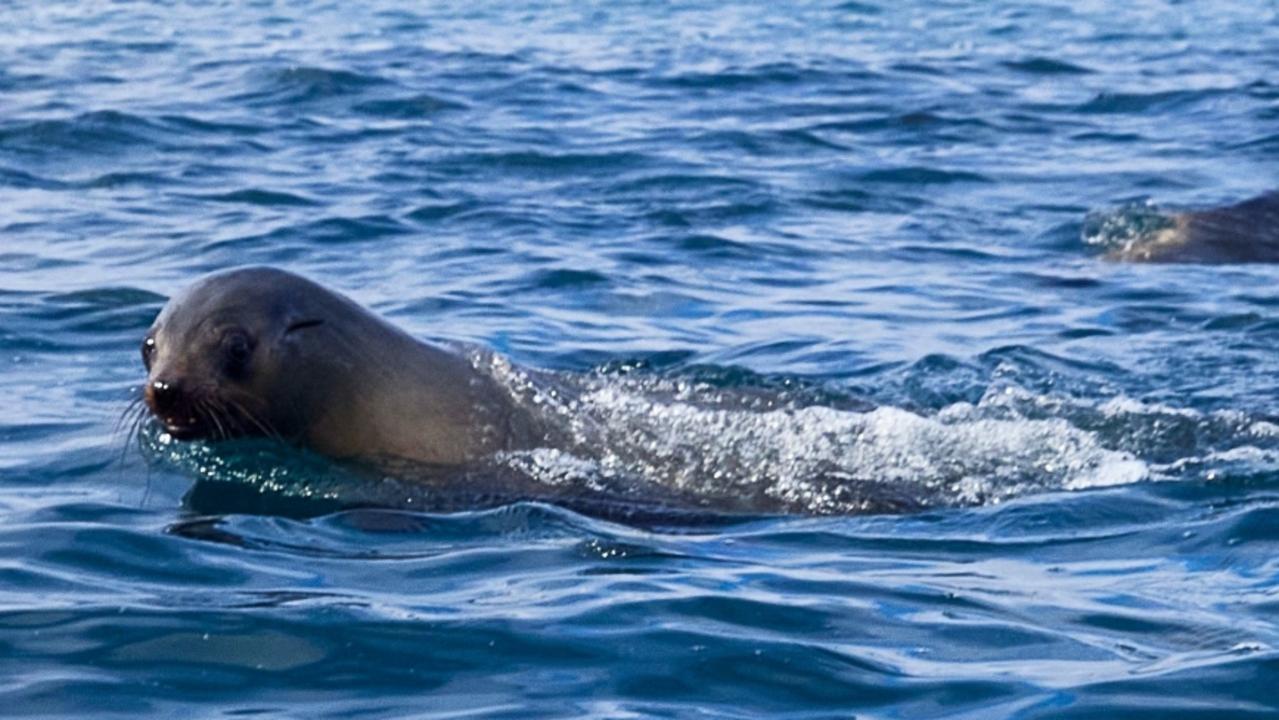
(200, 412)
(188, 429)
(213, 419)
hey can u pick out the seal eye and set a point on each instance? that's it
(302, 325)
(148, 352)
(237, 349)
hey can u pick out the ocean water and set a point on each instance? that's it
(886, 218)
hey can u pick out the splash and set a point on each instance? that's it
(1123, 228)
(740, 449)
(624, 439)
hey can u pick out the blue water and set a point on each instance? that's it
(833, 203)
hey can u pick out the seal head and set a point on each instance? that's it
(261, 351)
(217, 355)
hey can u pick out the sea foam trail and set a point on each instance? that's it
(760, 452)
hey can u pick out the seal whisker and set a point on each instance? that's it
(133, 407)
(227, 424)
(207, 411)
(266, 428)
(146, 489)
(136, 434)
(215, 410)
(237, 416)
(130, 424)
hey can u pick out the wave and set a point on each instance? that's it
(1046, 66)
(325, 231)
(97, 132)
(289, 86)
(750, 77)
(259, 196)
(535, 163)
(409, 108)
(921, 175)
(1136, 102)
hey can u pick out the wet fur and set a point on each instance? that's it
(324, 373)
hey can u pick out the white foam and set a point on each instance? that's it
(807, 457)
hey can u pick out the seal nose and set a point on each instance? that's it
(164, 393)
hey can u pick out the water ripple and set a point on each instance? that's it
(829, 256)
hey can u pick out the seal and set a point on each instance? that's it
(1246, 232)
(262, 351)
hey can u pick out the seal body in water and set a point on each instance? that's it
(1246, 232)
(261, 351)
(264, 352)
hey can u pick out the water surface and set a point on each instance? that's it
(861, 202)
